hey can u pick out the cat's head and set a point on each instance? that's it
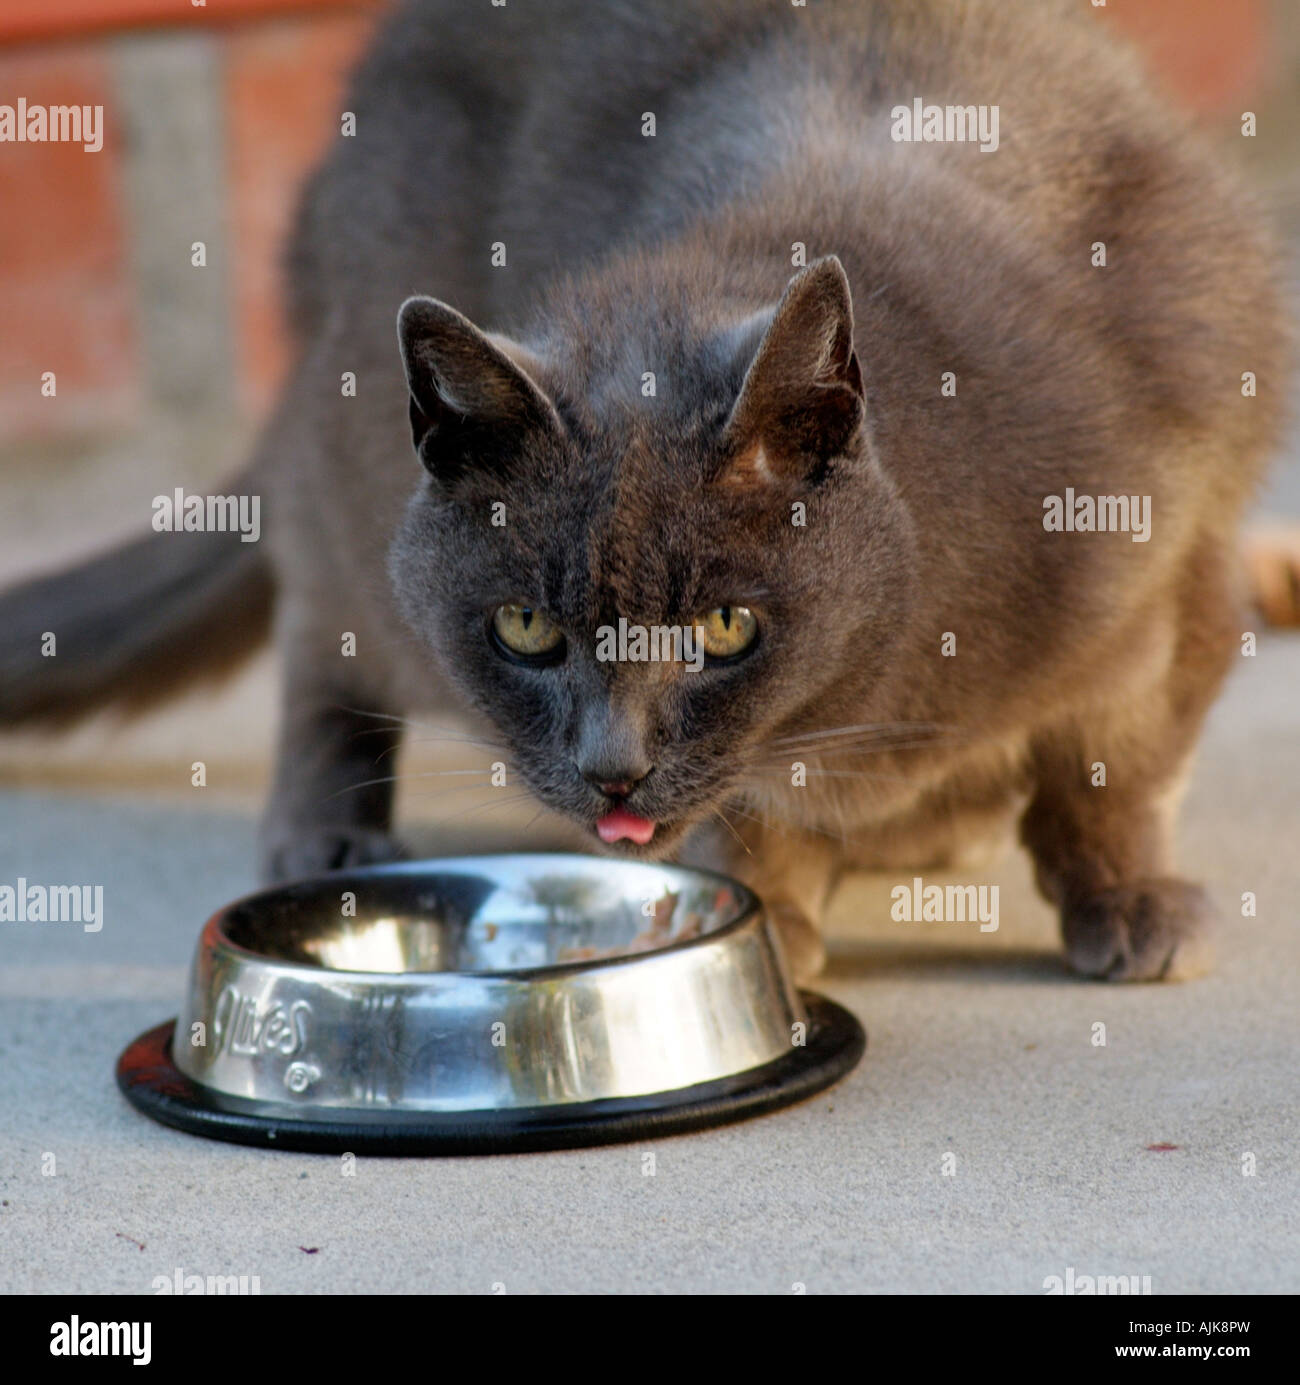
(717, 481)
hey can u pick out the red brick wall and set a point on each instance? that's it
(1211, 54)
(271, 70)
(66, 290)
(65, 298)
(22, 20)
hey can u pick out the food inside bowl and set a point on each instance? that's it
(660, 932)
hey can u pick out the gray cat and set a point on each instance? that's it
(891, 353)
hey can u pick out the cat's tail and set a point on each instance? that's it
(132, 627)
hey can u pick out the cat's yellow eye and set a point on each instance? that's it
(727, 631)
(524, 630)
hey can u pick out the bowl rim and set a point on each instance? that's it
(212, 935)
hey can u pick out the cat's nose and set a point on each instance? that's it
(611, 752)
(617, 785)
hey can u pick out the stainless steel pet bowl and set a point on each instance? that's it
(488, 1003)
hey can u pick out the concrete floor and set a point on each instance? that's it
(981, 1047)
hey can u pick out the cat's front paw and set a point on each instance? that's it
(1147, 930)
(312, 852)
(805, 953)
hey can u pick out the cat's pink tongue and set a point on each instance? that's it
(613, 827)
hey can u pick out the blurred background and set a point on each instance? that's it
(214, 112)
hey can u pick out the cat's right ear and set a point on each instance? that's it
(802, 401)
(473, 403)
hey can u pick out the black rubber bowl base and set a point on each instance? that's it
(152, 1083)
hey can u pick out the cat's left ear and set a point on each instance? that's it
(474, 404)
(802, 400)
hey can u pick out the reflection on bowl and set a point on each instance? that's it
(489, 983)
